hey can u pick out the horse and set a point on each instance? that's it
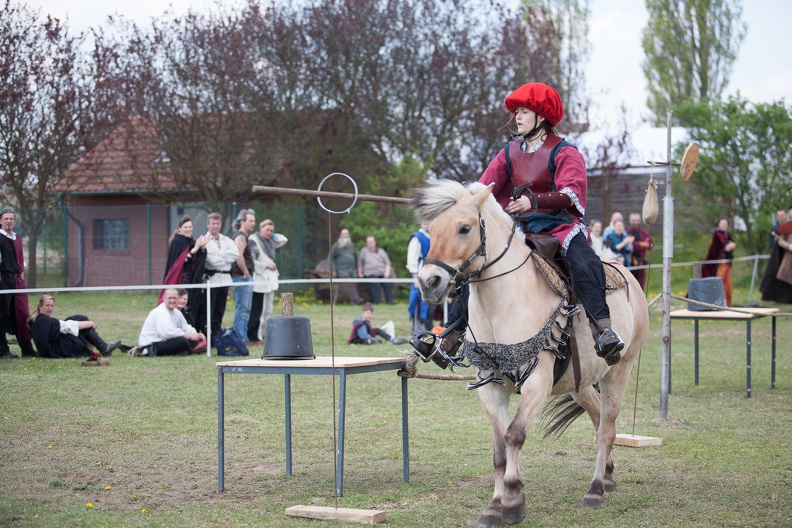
(511, 305)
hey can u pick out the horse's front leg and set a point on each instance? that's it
(535, 391)
(495, 399)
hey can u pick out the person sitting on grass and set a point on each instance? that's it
(363, 333)
(70, 338)
(165, 331)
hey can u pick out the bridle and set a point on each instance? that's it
(458, 278)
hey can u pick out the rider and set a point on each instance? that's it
(556, 171)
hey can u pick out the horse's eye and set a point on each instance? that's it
(464, 229)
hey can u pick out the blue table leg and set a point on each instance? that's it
(748, 360)
(405, 433)
(341, 427)
(287, 395)
(220, 431)
(696, 350)
(773, 357)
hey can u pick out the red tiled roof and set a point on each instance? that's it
(127, 160)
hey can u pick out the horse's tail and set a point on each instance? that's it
(559, 413)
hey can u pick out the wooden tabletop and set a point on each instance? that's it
(319, 362)
(723, 314)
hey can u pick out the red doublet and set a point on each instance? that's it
(566, 190)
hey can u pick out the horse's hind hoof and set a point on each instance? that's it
(592, 500)
(610, 486)
(489, 521)
(514, 516)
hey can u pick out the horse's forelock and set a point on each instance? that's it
(430, 201)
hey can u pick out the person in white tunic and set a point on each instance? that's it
(166, 332)
(265, 276)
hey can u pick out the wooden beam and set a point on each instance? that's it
(637, 440)
(337, 514)
(328, 194)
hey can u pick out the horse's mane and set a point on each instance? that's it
(430, 201)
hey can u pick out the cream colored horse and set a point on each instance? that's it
(510, 301)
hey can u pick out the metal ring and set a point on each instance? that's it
(354, 200)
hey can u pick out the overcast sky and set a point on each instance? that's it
(762, 72)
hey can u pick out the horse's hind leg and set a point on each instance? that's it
(589, 399)
(611, 393)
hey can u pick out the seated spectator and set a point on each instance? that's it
(363, 333)
(73, 337)
(183, 305)
(166, 332)
(620, 243)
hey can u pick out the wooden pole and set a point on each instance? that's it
(328, 194)
(287, 303)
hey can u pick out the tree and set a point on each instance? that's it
(744, 164)
(690, 46)
(47, 118)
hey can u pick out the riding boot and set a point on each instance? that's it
(607, 342)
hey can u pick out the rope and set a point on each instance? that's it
(411, 371)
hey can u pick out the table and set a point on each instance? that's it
(728, 315)
(341, 367)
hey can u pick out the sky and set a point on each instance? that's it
(761, 73)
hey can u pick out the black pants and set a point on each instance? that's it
(171, 347)
(588, 277)
(217, 300)
(89, 335)
(387, 289)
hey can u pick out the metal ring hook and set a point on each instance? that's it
(354, 200)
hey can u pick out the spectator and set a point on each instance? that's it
(343, 256)
(221, 253)
(421, 312)
(777, 281)
(721, 248)
(242, 271)
(166, 332)
(186, 260)
(620, 243)
(781, 217)
(70, 338)
(642, 242)
(14, 309)
(615, 217)
(363, 333)
(373, 263)
(263, 245)
(598, 243)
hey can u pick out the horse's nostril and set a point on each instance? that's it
(433, 283)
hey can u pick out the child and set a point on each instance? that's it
(363, 333)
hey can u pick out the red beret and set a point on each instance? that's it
(538, 97)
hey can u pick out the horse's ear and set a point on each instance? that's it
(483, 194)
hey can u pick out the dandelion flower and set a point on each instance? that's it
(108, 488)
(144, 510)
(100, 463)
(89, 505)
(49, 447)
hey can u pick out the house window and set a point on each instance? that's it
(111, 234)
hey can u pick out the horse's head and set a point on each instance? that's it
(451, 213)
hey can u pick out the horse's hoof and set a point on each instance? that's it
(514, 515)
(591, 500)
(610, 486)
(488, 521)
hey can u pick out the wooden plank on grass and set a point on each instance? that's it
(337, 514)
(637, 440)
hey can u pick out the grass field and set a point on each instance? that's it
(135, 443)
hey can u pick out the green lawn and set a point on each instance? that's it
(138, 440)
